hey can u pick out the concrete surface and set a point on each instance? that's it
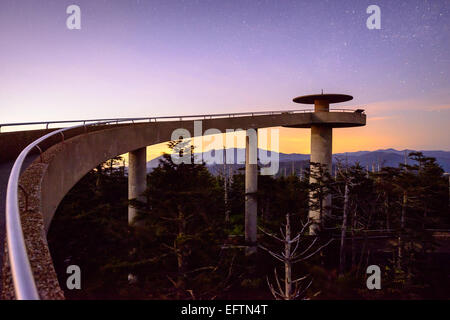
(251, 186)
(137, 179)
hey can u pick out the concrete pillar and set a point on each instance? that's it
(321, 145)
(321, 105)
(321, 152)
(251, 185)
(137, 179)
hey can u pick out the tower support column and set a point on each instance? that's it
(321, 152)
(137, 179)
(251, 185)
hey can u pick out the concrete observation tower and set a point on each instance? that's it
(322, 123)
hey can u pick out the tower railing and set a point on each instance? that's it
(22, 275)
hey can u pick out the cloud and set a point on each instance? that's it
(380, 107)
(380, 118)
(439, 108)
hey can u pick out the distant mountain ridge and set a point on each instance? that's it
(383, 157)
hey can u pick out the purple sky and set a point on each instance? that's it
(145, 58)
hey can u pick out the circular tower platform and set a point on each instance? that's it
(322, 115)
(329, 97)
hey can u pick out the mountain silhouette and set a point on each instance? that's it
(383, 158)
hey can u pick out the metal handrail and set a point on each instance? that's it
(181, 118)
(22, 275)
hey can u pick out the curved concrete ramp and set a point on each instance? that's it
(65, 163)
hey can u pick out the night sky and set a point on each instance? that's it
(149, 58)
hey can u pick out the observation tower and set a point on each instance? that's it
(323, 120)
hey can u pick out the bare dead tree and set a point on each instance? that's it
(226, 183)
(293, 289)
(344, 230)
(349, 180)
(347, 184)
